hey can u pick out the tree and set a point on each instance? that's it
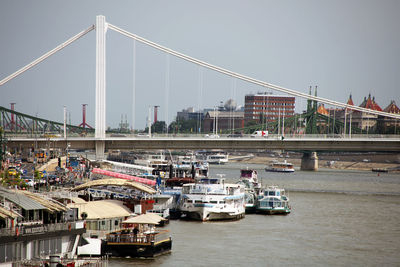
(2, 146)
(157, 127)
(184, 126)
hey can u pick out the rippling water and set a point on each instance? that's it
(339, 218)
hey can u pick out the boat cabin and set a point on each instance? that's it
(138, 238)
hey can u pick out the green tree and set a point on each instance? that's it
(2, 146)
(157, 127)
(184, 126)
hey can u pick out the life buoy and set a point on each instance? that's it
(69, 227)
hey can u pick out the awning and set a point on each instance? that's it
(116, 182)
(130, 166)
(102, 209)
(124, 176)
(148, 218)
(5, 213)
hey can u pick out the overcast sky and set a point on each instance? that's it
(349, 46)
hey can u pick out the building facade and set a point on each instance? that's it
(218, 121)
(190, 114)
(264, 107)
(389, 125)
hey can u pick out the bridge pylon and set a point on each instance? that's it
(309, 161)
(100, 127)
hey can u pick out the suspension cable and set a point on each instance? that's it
(134, 85)
(48, 54)
(167, 85)
(199, 98)
(247, 78)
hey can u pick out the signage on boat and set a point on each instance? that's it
(34, 229)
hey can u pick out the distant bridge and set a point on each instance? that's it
(318, 144)
(19, 123)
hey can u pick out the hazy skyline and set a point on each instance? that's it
(342, 46)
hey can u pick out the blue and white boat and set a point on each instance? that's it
(213, 199)
(273, 200)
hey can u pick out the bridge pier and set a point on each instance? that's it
(100, 148)
(309, 161)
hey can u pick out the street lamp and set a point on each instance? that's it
(66, 156)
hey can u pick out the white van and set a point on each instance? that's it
(259, 134)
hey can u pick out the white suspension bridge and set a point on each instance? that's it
(100, 142)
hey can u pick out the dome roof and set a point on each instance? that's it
(230, 104)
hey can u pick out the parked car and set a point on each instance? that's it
(259, 134)
(212, 135)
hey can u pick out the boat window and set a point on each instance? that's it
(213, 201)
(197, 201)
(222, 202)
(278, 193)
(271, 193)
(246, 173)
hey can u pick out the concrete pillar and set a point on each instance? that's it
(100, 147)
(100, 123)
(309, 161)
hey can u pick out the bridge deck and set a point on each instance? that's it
(196, 143)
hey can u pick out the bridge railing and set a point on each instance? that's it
(271, 136)
(210, 136)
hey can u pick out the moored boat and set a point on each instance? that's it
(213, 199)
(379, 170)
(217, 158)
(280, 167)
(273, 200)
(138, 238)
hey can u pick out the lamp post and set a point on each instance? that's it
(66, 156)
(216, 122)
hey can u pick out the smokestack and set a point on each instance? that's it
(84, 124)
(155, 113)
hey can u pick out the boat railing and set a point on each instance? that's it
(163, 212)
(161, 236)
(142, 238)
(198, 191)
(87, 262)
(274, 204)
(36, 227)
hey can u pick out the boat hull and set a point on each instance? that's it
(212, 216)
(279, 170)
(208, 212)
(273, 211)
(137, 250)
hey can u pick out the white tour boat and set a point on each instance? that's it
(273, 200)
(217, 158)
(213, 199)
(280, 167)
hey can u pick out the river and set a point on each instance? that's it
(339, 218)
